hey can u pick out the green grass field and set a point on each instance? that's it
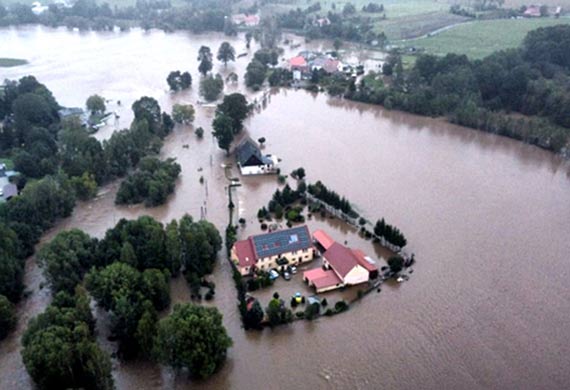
(479, 39)
(9, 62)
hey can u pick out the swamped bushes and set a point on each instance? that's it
(60, 350)
(151, 183)
(127, 273)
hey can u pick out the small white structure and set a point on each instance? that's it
(38, 8)
(251, 161)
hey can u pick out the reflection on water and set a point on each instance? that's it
(488, 218)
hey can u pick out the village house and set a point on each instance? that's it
(246, 20)
(277, 249)
(532, 11)
(320, 22)
(341, 267)
(251, 161)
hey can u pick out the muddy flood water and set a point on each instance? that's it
(488, 305)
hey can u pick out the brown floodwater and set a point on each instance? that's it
(488, 218)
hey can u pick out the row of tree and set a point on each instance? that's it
(390, 233)
(532, 80)
(321, 192)
(195, 15)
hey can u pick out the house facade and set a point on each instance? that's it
(341, 267)
(251, 161)
(277, 249)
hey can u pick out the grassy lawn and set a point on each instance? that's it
(9, 62)
(479, 39)
(414, 26)
(392, 8)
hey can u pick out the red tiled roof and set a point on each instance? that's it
(341, 259)
(245, 253)
(331, 66)
(297, 61)
(361, 258)
(321, 278)
(323, 238)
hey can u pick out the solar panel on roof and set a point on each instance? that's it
(282, 241)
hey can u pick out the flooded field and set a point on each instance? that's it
(488, 218)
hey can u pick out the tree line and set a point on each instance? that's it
(127, 273)
(321, 192)
(488, 94)
(195, 15)
(390, 233)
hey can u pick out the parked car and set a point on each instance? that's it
(293, 270)
(286, 275)
(273, 274)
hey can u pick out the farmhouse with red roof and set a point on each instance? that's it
(273, 250)
(342, 266)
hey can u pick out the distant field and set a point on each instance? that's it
(414, 26)
(479, 39)
(9, 62)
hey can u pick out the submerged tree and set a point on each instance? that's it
(226, 53)
(193, 338)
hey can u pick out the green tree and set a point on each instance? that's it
(178, 81)
(211, 87)
(7, 317)
(66, 259)
(223, 131)
(255, 74)
(253, 317)
(234, 106)
(277, 312)
(59, 350)
(147, 329)
(337, 44)
(183, 113)
(200, 244)
(312, 311)
(11, 267)
(248, 37)
(173, 246)
(95, 104)
(205, 58)
(396, 263)
(85, 186)
(226, 53)
(194, 338)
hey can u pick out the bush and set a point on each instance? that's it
(300, 314)
(7, 317)
(329, 312)
(340, 306)
(199, 132)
